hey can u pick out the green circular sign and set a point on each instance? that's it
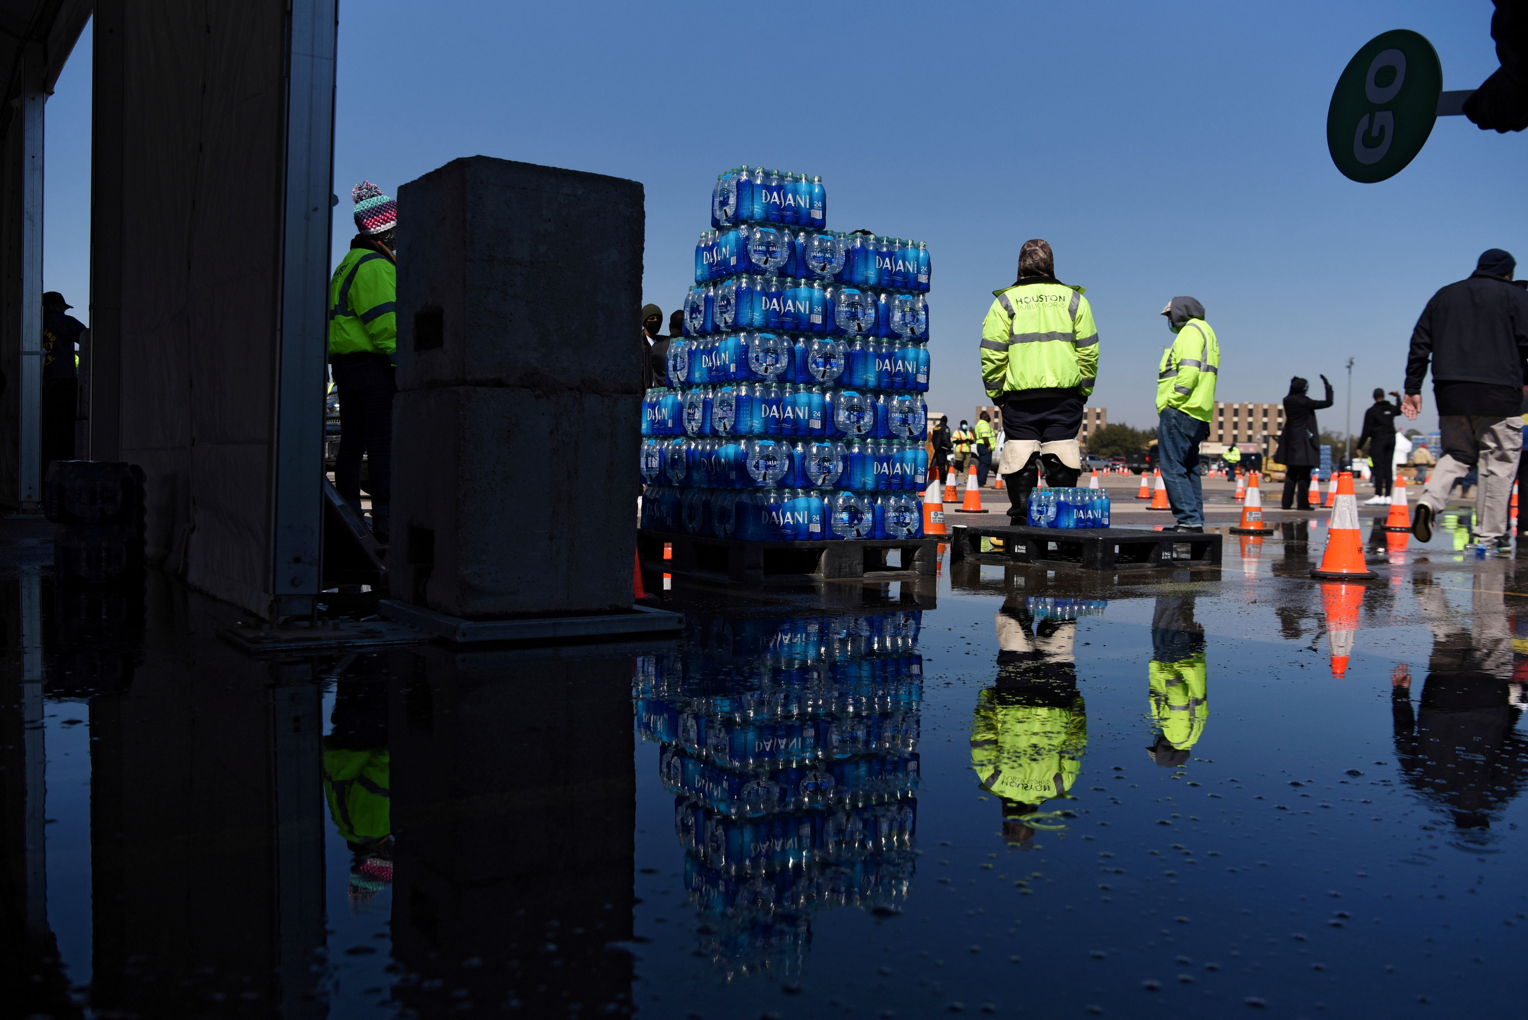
(1384, 106)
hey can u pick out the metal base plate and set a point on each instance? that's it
(639, 621)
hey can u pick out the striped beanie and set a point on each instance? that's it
(375, 213)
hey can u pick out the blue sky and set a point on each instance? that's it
(1162, 149)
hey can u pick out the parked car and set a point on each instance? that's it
(1093, 462)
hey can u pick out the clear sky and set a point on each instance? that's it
(1163, 148)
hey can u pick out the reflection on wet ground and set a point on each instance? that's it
(1001, 792)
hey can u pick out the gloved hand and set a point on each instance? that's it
(1326, 382)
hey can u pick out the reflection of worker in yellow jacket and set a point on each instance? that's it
(1176, 673)
(1030, 729)
(357, 784)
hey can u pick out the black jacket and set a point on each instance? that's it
(1379, 427)
(1475, 330)
(944, 445)
(1300, 442)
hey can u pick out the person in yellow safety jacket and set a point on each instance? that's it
(1177, 679)
(357, 783)
(363, 340)
(1232, 457)
(984, 438)
(961, 440)
(1185, 401)
(1039, 356)
(1030, 730)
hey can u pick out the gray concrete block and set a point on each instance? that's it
(512, 274)
(510, 501)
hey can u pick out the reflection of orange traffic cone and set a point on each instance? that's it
(1251, 554)
(1344, 556)
(949, 486)
(1093, 481)
(1331, 492)
(1145, 492)
(1342, 603)
(933, 511)
(638, 593)
(1400, 514)
(1241, 487)
(1313, 497)
(939, 558)
(972, 504)
(1159, 498)
(1395, 545)
(1252, 512)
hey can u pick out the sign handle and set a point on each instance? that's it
(1451, 104)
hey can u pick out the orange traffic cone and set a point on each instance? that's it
(1145, 492)
(1514, 497)
(997, 482)
(1241, 487)
(1342, 603)
(972, 504)
(638, 593)
(949, 486)
(1093, 481)
(1252, 513)
(933, 511)
(1344, 556)
(1159, 497)
(1251, 554)
(1313, 496)
(1331, 492)
(1400, 513)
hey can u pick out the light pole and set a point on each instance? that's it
(1347, 441)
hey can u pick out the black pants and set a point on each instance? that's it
(1296, 487)
(1046, 416)
(366, 384)
(1384, 469)
(59, 397)
(983, 464)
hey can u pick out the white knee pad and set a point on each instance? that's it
(1067, 451)
(1016, 453)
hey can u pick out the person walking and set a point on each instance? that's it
(1185, 400)
(1232, 457)
(1379, 432)
(1475, 333)
(654, 348)
(60, 379)
(363, 341)
(963, 438)
(1299, 443)
(941, 449)
(1039, 358)
(983, 447)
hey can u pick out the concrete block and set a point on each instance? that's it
(510, 501)
(511, 274)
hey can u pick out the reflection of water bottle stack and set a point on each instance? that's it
(795, 408)
(791, 749)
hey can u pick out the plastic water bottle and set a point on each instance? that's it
(767, 461)
(774, 410)
(1104, 514)
(724, 411)
(723, 514)
(819, 195)
(774, 197)
(817, 412)
(852, 516)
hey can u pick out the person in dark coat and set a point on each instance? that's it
(60, 378)
(1299, 444)
(1379, 433)
(654, 348)
(943, 444)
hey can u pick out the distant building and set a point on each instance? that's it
(1093, 419)
(1247, 426)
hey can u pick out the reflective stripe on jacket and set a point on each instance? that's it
(962, 439)
(1179, 699)
(983, 433)
(1186, 377)
(363, 298)
(1039, 335)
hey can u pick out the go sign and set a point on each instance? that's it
(1384, 106)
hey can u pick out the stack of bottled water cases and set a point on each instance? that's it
(1045, 607)
(796, 405)
(1069, 508)
(790, 748)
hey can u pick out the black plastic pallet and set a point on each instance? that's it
(1090, 549)
(761, 562)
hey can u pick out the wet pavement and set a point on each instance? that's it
(1007, 791)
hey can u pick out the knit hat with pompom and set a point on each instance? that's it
(375, 213)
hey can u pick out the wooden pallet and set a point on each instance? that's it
(762, 562)
(1089, 549)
